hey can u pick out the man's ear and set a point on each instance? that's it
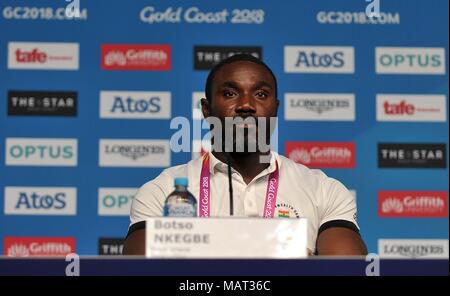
(277, 102)
(205, 108)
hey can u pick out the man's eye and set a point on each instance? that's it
(228, 94)
(261, 95)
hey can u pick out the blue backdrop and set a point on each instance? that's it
(416, 24)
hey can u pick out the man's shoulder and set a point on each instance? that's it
(292, 167)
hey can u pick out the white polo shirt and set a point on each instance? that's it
(302, 192)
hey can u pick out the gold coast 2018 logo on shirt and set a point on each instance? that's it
(284, 210)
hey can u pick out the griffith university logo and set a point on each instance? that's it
(413, 204)
(146, 57)
(38, 246)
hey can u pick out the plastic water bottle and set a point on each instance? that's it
(180, 203)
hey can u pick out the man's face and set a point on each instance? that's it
(242, 89)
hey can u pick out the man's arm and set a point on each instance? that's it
(135, 243)
(342, 241)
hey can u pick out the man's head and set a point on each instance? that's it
(233, 59)
(241, 86)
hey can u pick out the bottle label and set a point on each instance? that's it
(180, 210)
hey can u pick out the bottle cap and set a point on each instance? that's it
(181, 181)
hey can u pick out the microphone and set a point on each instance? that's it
(230, 184)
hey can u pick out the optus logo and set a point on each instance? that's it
(115, 201)
(410, 60)
(41, 152)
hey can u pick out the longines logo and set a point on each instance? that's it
(49, 103)
(205, 57)
(322, 106)
(411, 155)
(416, 249)
(316, 106)
(134, 153)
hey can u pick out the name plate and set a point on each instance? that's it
(180, 237)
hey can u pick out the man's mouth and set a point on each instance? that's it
(245, 125)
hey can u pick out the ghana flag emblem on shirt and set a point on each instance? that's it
(283, 213)
(285, 210)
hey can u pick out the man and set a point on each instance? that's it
(244, 87)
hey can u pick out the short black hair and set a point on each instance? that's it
(233, 59)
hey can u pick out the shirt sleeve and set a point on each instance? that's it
(149, 200)
(338, 204)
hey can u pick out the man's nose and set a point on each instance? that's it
(246, 104)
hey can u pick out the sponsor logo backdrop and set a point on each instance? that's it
(87, 103)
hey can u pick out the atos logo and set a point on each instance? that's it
(135, 105)
(318, 59)
(40, 200)
(314, 59)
